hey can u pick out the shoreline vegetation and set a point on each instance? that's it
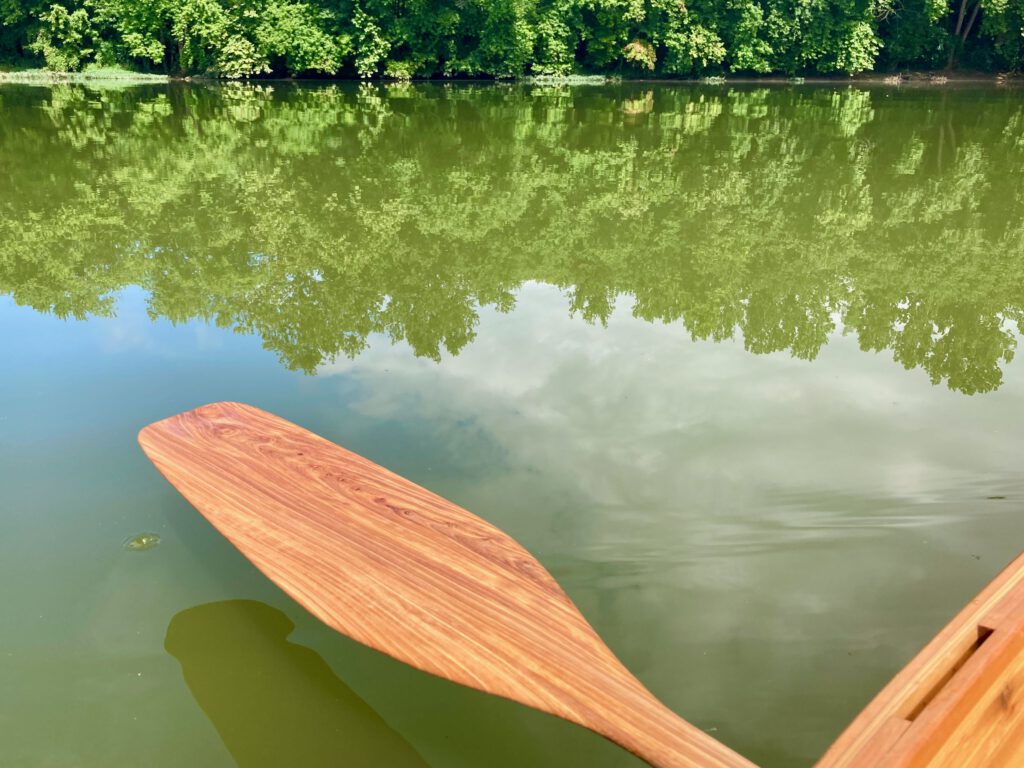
(511, 39)
(96, 75)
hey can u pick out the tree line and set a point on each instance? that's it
(508, 38)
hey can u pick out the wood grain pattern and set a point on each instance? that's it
(958, 703)
(410, 574)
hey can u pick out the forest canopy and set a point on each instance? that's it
(508, 38)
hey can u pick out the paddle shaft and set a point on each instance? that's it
(661, 738)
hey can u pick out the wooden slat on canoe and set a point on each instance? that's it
(958, 703)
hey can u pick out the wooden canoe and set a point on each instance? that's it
(406, 572)
(958, 703)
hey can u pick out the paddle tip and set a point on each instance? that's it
(177, 422)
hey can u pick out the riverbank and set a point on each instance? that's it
(938, 78)
(94, 76)
(921, 78)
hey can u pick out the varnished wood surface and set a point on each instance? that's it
(960, 702)
(410, 574)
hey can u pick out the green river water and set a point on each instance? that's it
(735, 363)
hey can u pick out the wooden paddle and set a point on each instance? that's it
(402, 570)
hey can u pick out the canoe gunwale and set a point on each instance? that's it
(955, 702)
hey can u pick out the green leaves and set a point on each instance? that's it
(401, 39)
(641, 53)
(369, 43)
(65, 38)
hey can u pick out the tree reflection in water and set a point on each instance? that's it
(316, 216)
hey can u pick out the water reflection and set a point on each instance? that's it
(275, 703)
(314, 217)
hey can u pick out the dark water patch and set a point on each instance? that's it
(275, 702)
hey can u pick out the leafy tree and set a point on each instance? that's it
(65, 38)
(402, 39)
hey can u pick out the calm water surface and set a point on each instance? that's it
(735, 364)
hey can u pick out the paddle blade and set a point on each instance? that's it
(410, 574)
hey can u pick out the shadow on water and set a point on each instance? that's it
(273, 702)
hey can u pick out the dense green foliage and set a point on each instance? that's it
(406, 38)
(315, 217)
